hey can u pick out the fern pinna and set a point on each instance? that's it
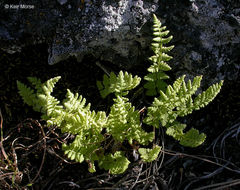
(100, 137)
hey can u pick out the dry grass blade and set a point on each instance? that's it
(227, 166)
(44, 151)
(217, 171)
(205, 159)
(219, 186)
(9, 170)
(1, 142)
(221, 139)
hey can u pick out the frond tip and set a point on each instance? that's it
(207, 96)
(120, 85)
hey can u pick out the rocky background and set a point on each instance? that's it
(206, 32)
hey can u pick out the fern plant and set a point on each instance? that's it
(100, 137)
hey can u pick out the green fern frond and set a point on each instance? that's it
(149, 155)
(176, 130)
(120, 85)
(75, 123)
(27, 94)
(85, 146)
(74, 102)
(207, 96)
(159, 59)
(124, 123)
(192, 138)
(49, 85)
(72, 116)
(36, 83)
(39, 98)
(156, 67)
(155, 81)
(116, 163)
(177, 101)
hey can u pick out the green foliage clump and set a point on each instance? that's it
(100, 137)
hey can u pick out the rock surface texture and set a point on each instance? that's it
(206, 32)
(206, 37)
(107, 29)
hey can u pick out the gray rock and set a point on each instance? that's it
(107, 29)
(206, 37)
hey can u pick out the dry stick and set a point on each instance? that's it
(149, 179)
(203, 159)
(1, 141)
(120, 181)
(137, 177)
(232, 129)
(207, 160)
(103, 68)
(155, 170)
(6, 175)
(51, 151)
(72, 184)
(15, 161)
(220, 185)
(217, 171)
(44, 152)
(52, 178)
(163, 147)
